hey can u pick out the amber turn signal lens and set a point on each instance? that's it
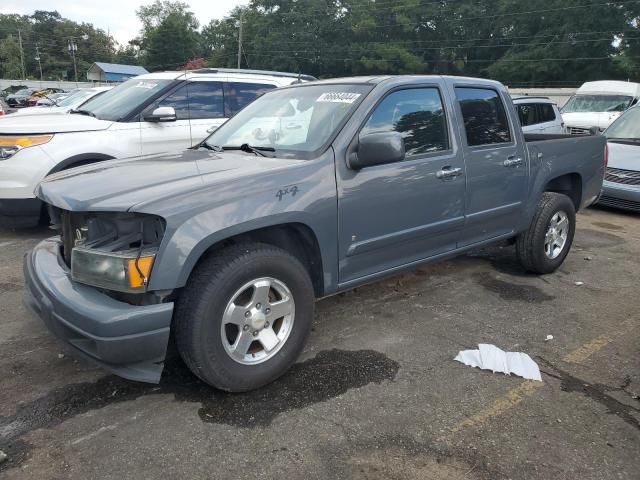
(138, 275)
(23, 142)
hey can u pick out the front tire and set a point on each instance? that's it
(244, 316)
(544, 246)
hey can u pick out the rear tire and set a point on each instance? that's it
(544, 246)
(224, 306)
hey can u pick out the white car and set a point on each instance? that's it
(148, 114)
(539, 115)
(598, 104)
(72, 101)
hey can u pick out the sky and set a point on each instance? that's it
(115, 16)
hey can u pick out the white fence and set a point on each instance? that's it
(49, 84)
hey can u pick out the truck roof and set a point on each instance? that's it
(610, 87)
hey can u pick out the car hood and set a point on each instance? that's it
(624, 155)
(120, 185)
(40, 111)
(589, 119)
(36, 124)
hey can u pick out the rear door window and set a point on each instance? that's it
(196, 100)
(484, 116)
(546, 112)
(240, 94)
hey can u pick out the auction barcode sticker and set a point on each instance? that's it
(338, 97)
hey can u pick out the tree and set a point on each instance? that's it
(10, 63)
(171, 43)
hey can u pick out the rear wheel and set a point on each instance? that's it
(244, 316)
(544, 246)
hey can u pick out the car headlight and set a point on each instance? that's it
(10, 145)
(120, 271)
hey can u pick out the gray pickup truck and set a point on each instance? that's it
(311, 190)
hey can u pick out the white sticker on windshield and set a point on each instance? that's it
(147, 85)
(338, 97)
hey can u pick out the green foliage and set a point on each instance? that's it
(532, 42)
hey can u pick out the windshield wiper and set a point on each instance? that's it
(245, 147)
(84, 112)
(204, 144)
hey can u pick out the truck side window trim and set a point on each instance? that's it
(449, 151)
(496, 145)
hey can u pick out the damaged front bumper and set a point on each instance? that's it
(130, 341)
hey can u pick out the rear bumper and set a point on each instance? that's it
(130, 341)
(20, 212)
(626, 197)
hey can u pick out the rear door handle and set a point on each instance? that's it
(448, 172)
(512, 162)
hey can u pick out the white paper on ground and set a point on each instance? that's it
(490, 357)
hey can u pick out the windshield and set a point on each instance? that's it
(597, 103)
(295, 122)
(627, 126)
(120, 101)
(76, 98)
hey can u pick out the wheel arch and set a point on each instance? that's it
(81, 159)
(295, 237)
(569, 184)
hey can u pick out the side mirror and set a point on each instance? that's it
(162, 114)
(594, 131)
(378, 149)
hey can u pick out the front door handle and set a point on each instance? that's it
(448, 172)
(512, 162)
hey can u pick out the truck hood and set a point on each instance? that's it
(36, 124)
(39, 111)
(624, 155)
(119, 185)
(589, 119)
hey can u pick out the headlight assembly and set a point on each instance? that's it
(10, 145)
(120, 271)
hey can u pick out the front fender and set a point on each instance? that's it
(248, 206)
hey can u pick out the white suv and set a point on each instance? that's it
(539, 115)
(148, 114)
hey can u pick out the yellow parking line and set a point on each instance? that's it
(504, 403)
(527, 388)
(580, 354)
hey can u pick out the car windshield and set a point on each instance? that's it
(295, 122)
(120, 101)
(627, 126)
(597, 103)
(76, 98)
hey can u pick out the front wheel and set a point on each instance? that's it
(244, 316)
(544, 246)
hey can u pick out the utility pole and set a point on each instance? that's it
(38, 59)
(240, 39)
(21, 54)
(73, 47)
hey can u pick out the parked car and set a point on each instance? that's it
(19, 99)
(39, 94)
(157, 112)
(597, 104)
(11, 89)
(539, 115)
(73, 101)
(51, 100)
(2, 112)
(310, 190)
(621, 187)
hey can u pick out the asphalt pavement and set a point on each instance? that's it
(376, 394)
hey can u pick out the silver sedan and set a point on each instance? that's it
(621, 188)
